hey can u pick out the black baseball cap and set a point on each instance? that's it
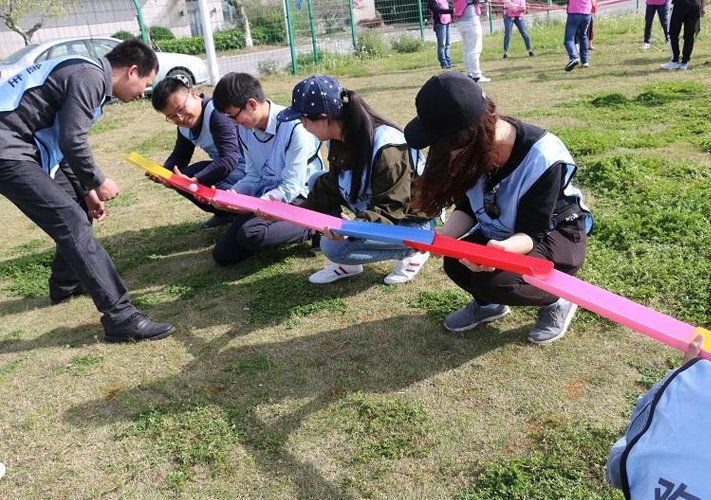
(445, 104)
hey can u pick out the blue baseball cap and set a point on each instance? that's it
(316, 95)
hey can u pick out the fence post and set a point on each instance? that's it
(141, 23)
(491, 20)
(213, 70)
(310, 8)
(422, 20)
(290, 38)
(549, 4)
(353, 26)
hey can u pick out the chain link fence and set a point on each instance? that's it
(262, 36)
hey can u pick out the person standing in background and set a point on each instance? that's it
(686, 13)
(576, 26)
(466, 15)
(660, 8)
(514, 11)
(441, 21)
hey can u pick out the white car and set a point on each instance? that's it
(191, 68)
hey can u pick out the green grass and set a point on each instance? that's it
(275, 388)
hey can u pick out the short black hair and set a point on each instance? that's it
(134, 52)
(164, 89)
(235, 89)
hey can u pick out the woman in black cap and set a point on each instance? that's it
(510, 183)
(371, 169)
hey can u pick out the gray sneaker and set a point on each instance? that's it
(552, 322)
(472, 315)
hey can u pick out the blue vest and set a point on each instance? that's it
(384, 136)
(47, 139)
(546, 152)
(270, 154)
(670, 458)
(204, 140)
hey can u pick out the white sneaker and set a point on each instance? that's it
(645, 46)
(683, 66)
(334, 272)
(482, 79)
(671, 65)
(406, 269)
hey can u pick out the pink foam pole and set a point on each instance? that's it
(626, 312)
(301, 216)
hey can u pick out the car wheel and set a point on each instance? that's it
(183, 75)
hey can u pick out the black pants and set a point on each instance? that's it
(249, 233)
(685, 14)
(54, 206)
(565, 247)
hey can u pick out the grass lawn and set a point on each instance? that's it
(275, 388)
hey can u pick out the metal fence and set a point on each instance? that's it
(312, 28)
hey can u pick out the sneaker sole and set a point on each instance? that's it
(561, 334)
(343, 276)
(122, 339)
(490, 319)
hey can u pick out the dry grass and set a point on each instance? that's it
(272, 393)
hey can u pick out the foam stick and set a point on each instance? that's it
(384, 232)
(302, 216)
(624, 311)
(173, 180)
(485, 256)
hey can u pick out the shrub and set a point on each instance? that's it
(268, 67)
(161, 33)
(407, 44)
(269, 29)
(370, 45)
(123, 35)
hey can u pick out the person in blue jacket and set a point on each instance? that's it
(510, 183)
(199, 125)
(664, 452)
(279, 159)
(48, 171)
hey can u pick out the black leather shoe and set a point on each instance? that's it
(217, 220)
(57, 299)
(136, 328)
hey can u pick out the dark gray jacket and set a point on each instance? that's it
(78, 88)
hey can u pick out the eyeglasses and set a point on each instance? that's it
(178, 112)
(234, 117)
(490, 206)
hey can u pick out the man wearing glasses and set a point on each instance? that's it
(199, 125)
(279, 159)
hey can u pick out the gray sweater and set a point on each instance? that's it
(75, 87)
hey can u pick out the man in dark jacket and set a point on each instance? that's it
(48, 171)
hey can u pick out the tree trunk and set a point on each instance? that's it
(245, 22)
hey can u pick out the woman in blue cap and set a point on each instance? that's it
(510, 183)
(371, 170)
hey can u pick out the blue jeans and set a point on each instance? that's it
(576, 25)
(520, 23)
(353, 251)
(442, 33)
(662, 11)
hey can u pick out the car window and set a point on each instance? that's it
(102, 47)
(16, 56)
(73, 48)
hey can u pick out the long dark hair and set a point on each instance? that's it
(455, 164)
(358, 121)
